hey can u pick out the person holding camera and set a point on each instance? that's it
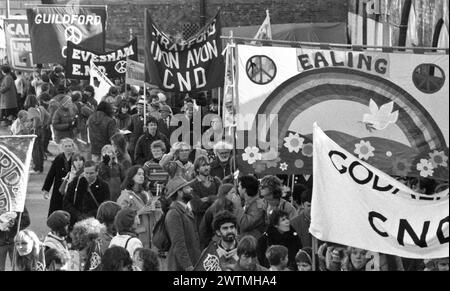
(111, 171)
(64, 121)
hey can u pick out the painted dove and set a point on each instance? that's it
(380, 118)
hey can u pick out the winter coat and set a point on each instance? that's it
(101, 128)
(220, 169)
(52, 241)
(137, 130)
(7, 237)
(63, 123)
(206, 229)
(113, 174)
(123, 121)
(142, 152)
(80, 204)
(84, 111)
(284, 206)
(273, 237)
(251, 219)
(301, 226)
(8, 93)
(199, 191)
(147, 216)
(185, 250)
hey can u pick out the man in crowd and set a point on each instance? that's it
(247, 258)
(222, 164)
(142, 152)
(277, 256)
(153, 170)
(272, 190)
(84, 195)
(301, 222)
(137, 126)
(180, 224)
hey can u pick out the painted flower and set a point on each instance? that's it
(438, 159)
(307, 150)
(293, 142)
(299, 164)
(401, 167)
(273, 163)
(251, 155)
(364, 150)
(259, 167)
(283, 167)
(426, 168)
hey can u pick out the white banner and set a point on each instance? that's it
(357, 205)
(100, 82)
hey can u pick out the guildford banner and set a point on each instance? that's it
(357, 205)
(18, 44)
(15, 160)
(188, 66)
(113, 64)
(51, 27)
(390, 109)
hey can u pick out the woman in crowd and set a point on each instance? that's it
(61, 165)
(146, 260)
(119, 142)
(28, 252)
(115, 259)
(135, 195)
(304, 259)
(111, 171)
(76, 170)
(123, 117)
(279, 232)
(85, 235)
(8, 95)
(357, 260)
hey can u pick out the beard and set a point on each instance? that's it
(229, 238)
(187, 197)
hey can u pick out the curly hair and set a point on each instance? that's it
(86, 231)
(223, 217)
(115, 259)
(128, 183)
(274, 184)
(150, 258)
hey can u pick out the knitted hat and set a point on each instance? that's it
(165, 108)
(174, 185)
(304, 256)
(124, 220)
(58, 220)
(107, 211)
(224, 189)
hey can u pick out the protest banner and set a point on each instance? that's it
(193, 65)
(18, 44)
(391, 101)
(15, 160)
(52, 26)
(135, 74)
(355, 204)
(112, 64)
(100, 82)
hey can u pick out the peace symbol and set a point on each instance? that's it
(73, 34)
(261, 69)
(121, 67)
(429, 78)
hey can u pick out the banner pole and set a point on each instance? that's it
(14, 244)
(314, 252)
(145, 105)
(292, 189)
(8, 7)
(233, 78)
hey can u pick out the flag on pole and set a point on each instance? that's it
(265, 31)
(412, 38)
(15, 160)
(100, 82)
(357, 205)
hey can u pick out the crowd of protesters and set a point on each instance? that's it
(118, 184)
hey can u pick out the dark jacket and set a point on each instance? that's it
(7, 237)
(113, 174)
(301, 224)
(185, 250)
(80, 204)
(58, 171)
(8, 93)
(273, 237)
(206, 229)
(142, 152)
(164, 129)
(137, 130)
(101, 128)
(199, 191)
(123, 121)
(221, 170)
(252, 219)
(84, 111)
(64, 123)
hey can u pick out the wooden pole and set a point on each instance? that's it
(145, 105)
(314, 252)
(14, 249)
(233, 78)
(8, 7)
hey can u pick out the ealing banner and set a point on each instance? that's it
(193, 65)
(51, 27)
(391, 109)
(18, 44)
(135, 74)
(15, 160)
(113, 64)
(357, 205)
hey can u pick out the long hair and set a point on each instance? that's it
(120, 142)
(128, 183)
(29, 262)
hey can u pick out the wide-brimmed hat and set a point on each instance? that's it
(174, 185)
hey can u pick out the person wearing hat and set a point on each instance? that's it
(304, 259)
(63, 120)
(184, 251)
(126, 221)
(164, 127)
(58, 222)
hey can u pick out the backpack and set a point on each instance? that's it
(160, 237)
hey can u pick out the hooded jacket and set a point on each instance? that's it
(101, 128)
